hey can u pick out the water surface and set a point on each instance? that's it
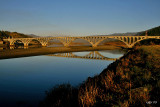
(23, 81)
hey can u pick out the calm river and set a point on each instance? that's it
(23, 81)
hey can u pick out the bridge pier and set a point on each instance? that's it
(11, 47)
(11, 43)
(25, 44)
(131, 45)
(66, 45)
(25, 47)
(44, 45)
(93, 45)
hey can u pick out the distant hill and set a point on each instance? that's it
(124, 34)
(6, 34)
(151, 32)
(32, 35)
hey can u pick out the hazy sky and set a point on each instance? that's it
(78, 17)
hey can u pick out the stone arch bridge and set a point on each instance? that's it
(130, 41)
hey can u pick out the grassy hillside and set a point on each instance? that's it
(6, 34)
(131, 81)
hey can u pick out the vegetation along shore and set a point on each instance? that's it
(133, 80)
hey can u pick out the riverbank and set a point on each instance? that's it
(133, 80)
(15, 53)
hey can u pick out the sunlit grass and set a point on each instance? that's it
(131, 81)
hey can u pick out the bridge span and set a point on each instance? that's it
(130, 41)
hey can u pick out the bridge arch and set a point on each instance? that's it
(119, 39)
(15, 41)
(34, 42)
(55, 41)
(84, 41)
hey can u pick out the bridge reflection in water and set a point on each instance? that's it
(92, 55)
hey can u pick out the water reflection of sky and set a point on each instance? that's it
(112, 53)
(28, 78)
(106, 53)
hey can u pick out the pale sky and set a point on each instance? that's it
(78, 17)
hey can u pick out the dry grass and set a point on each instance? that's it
(131, 81)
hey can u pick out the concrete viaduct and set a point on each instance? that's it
(130, 41)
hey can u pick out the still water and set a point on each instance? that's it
(23, 81)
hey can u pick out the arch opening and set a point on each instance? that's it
(82, 54)
(136, 39)
(112, 53)
(132, 40)
(80, 43)
(55, 43)
(34, 44)
(112, 42)
(125, 39)
(18, 44)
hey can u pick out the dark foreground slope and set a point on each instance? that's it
(131, 81)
